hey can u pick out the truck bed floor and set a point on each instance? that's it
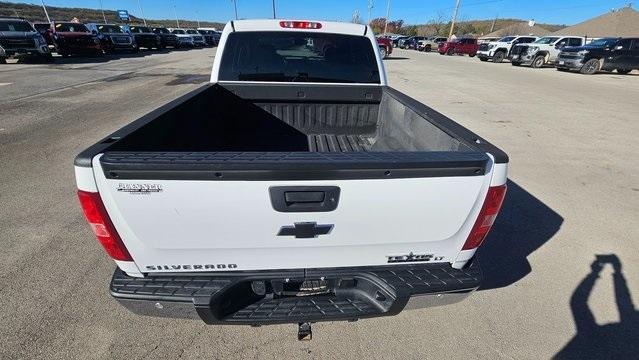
(337, 143)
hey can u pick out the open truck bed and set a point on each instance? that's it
(239, 127)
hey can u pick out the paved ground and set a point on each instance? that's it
(574, 194)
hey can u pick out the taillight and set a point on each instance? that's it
(101, 225)
(487, 216)
(300, 25)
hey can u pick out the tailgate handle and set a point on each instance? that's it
(293, 197)
(304, 198)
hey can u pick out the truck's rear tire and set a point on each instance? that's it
(472, 55)
(450, 52)
(623, 71)
(538, 62)
(499, 57)
(428, 48)
(591, 67)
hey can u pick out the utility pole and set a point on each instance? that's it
(452, 25)
(197, 18)
(235, 6)
(387, 16)
(492, 27)
(273, 10)
(370, 9)
(102, 9)
(45, 11)
(176, 17)
(142, 12)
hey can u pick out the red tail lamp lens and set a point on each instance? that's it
(487, 216)
(102, 227)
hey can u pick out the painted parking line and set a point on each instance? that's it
(5, 84)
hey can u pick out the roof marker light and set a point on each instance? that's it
(301, 25)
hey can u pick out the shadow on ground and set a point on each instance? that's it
(395, 58)
(524, 225)
(611, 341)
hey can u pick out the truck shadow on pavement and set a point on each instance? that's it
(611, 341)
(524, 225)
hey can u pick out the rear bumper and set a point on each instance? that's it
(256, 298)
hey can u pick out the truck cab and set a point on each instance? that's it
(543, 51)
(71, 38)
(499, 50)
(19, 38)
(112, 37)
(296, 187)
(606, 54)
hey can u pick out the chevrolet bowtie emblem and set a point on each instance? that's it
(305, 230)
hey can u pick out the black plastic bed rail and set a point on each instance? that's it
(294, 296)
(290, 165)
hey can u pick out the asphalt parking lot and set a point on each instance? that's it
(573, 195)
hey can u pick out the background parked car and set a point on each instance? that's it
(608, 54)
(210, 36)
(396, 40)
(71, 38)
(18, 37)
(198, 39)
(411, 42)
(45, 30)
(144, 36)
(430, 43)
(543, 51)
(112, 37)
(166, 37)
(466, 46)
(184, 39)
(385, 46)
(500, 50)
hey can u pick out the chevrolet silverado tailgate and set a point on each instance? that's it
(251, 211)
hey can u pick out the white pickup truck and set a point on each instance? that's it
(296, 187)
(499, 50)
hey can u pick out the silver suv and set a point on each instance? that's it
(18, 37)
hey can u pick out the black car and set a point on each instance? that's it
(209, 37)
(144, 36)
(166, 37)
(113, 38)
(607, 54)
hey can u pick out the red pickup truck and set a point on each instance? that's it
(459, 46)
(72, 38)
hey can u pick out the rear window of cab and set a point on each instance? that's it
(299, 57)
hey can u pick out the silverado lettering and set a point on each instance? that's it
(191, 267)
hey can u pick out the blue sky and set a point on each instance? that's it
(411, 11)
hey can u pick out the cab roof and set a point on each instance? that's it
(274, 25)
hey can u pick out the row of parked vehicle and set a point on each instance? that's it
(582, 54)
(20, 37)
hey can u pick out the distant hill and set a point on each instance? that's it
(35, 13)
